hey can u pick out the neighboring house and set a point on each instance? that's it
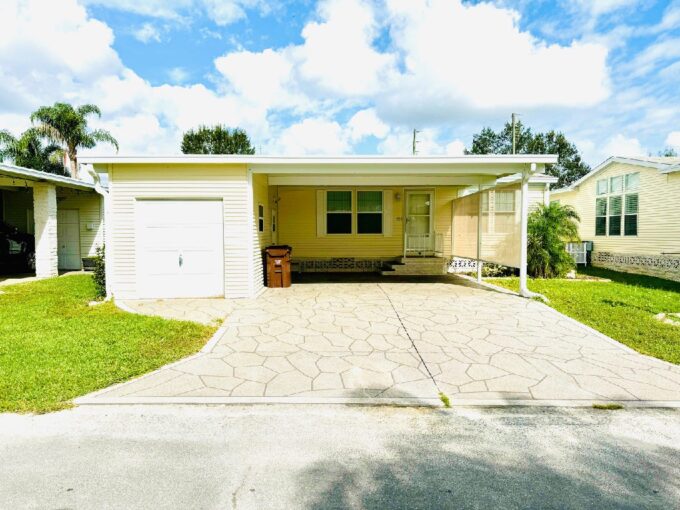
(65, 215)
(195, 226)
(630, 209)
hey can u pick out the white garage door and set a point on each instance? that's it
(180, 252)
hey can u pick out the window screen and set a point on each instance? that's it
(369, 212)
(615, 216)
(338, 212)
(630, 219)
(602, 187)
(601, 217)
(505, 201)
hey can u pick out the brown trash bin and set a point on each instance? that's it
(278, 266)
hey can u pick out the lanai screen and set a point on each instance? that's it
(500, 225)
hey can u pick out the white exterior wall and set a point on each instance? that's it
(45, 214)
(228, 183)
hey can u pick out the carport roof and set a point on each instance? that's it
(27, 174)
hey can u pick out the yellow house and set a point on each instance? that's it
(630, 210)
(196, 226)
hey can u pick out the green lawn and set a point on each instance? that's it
(54, 347)
(622, 309)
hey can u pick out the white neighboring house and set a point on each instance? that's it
(195, 226)
(630, 209)
(65, 215)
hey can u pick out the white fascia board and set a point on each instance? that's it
(380, 180)
(517, 159)
(662, 167)
(38, 176)
(561, 190)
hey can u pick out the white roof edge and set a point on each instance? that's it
(663, 167)
(561, 190)
(39, 176)
(328, 160)
(536, 178)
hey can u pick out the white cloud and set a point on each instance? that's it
(655, 54)
(600, 7)
(620, 145)
(455, 148)
(464, 58)
(312, 136)
(673, 139)
(178, 75)
(146, 33)
(367, 123)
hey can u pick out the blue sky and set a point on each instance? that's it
(351, 76)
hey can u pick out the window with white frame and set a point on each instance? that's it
(260, 218)
(505, 201)
(369, 212)
(616, 213)
(338, 212)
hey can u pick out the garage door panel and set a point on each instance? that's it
(180, 250)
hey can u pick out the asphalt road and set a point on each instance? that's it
(264, 457)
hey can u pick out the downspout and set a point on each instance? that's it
(108, 246)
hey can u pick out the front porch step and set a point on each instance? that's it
(416, 266)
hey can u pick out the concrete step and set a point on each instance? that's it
(414, 266)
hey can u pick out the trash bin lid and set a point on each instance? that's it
(278, 250)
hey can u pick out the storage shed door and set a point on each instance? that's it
(180, 249)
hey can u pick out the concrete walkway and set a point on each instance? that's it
(404, 342)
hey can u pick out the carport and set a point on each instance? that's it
(64, 215)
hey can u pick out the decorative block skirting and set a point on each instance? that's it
(459, 265)
(661, 266)
(339, 265)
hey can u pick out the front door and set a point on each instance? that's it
(419, 237)
(68, 239)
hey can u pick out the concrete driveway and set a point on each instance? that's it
(404, 342)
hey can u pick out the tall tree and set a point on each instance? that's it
(217, 139)
(570, 166)
(67, 126)
(29, 151)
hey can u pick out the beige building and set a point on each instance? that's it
(630, 210)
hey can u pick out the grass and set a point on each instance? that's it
(622, 309)
(54, 347)
(445, 399)
(607, 407)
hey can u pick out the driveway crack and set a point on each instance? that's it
(415, 347)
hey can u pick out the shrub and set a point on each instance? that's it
(550, 227)
(99, 274)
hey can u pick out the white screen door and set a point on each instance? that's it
(419, 236)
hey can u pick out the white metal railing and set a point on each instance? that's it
(424, 244)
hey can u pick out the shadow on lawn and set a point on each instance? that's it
(647, 282)
(497, 463)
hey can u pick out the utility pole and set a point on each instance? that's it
(514, 123)
(415, 141)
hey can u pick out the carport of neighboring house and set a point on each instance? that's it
(196, 226)
(64, 215)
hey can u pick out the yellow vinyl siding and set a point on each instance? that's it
(658, 212)
(90, 212)
(297, 216)
(260, 239)
(224, 182)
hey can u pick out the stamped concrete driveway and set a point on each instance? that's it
(387, 341)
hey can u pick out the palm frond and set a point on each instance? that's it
(101, 135)
(88, 109)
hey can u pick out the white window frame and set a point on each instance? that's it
(355, 221)
(504, 192)
(351, 212)
(622, 193)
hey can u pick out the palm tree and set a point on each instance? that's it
(67, 126)
(550, 227)
(28, 151)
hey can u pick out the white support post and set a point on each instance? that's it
(524, 218)
(479, 238)
(45, 218)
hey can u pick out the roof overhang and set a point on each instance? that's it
(468, 166)
(23, 175)
(664, 168)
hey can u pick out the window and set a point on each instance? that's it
(631, 216)
(338, 212)
(602, 187)
(505, 201)
(369, 212)
(615, 215)
(260, 218)
(601, 217)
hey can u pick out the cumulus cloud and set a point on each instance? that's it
(312, 136)
(147, 33)
(620, 145)
(673, 139)
(366, 123)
